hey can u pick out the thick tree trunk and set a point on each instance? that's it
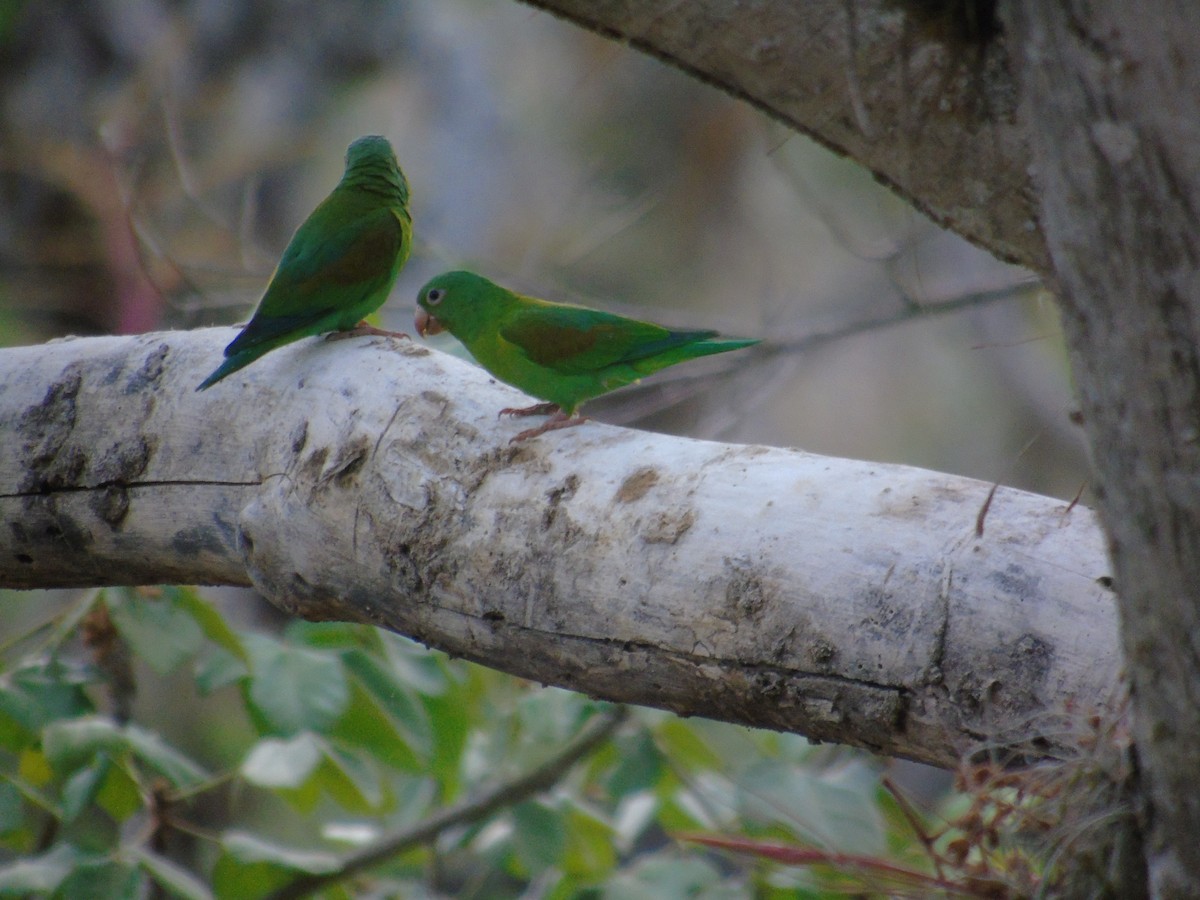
(372, 481)
(1113, 99)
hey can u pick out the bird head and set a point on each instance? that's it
(451, 302)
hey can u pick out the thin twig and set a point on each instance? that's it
(500, 797)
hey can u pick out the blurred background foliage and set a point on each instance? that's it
(155, 156)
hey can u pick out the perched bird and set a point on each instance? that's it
(560, 353)
(340, 264)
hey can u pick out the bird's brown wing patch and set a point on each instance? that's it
(575, 340)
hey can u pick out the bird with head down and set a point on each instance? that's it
(560, 353)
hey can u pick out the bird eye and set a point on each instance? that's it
(434, 297)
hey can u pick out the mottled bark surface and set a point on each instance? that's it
(1113, 90)
(371, 481)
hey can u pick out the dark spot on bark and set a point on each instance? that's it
(124, 463)
(349, 461)
(312, 466)
(111, 505)
(493, 615)
(24, 558)
(769, 684)
(150, 372)
(822, 653)
(637, 485)
(745, 597)
(555, 497)
(300, 438)
(199, 539)
(669, 526)
(1105, 581)
(47, 427)
(64, 470)
(61, 528)
(1016, 582)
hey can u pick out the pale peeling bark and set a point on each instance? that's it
(933, 117)
(370, 480)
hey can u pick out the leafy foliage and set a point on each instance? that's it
(144, 739)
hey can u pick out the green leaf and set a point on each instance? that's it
(396, 695)
(151, 749)
(295, 689)
(101, 879)
(34, 768)
(38, 875)
(249, 848)
(452, 716)
(247, 881)
(42, 692)
(591, 852)
(551, 716)
(12, 808)
(172, 877)
(157, 630)
(331, 635)
(350, 781)
(73, 743)
(217, 668)
(539, 836)
(832, 809)
(369, 726)
(251, 867)
(422, 670)
(119, 795)
(81, 788)
(275, 763)
(684, 747)
(211, 622)
(667, 877)
(641, 764)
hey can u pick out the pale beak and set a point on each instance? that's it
(427, 324)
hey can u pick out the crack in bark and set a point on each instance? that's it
(126, 485)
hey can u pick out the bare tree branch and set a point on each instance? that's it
(371, 481)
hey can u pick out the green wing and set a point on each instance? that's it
(328, 270)
(577, 341)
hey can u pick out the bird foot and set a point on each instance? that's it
(538, 409)
(362, 329)
(559, 420)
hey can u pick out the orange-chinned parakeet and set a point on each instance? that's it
(340, 264)
(559, 353)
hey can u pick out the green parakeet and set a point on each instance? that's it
(340, 264)
(560, 353)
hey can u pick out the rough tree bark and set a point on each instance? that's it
(372, 481)
(1114, 89)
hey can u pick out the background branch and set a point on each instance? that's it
(933, 118)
